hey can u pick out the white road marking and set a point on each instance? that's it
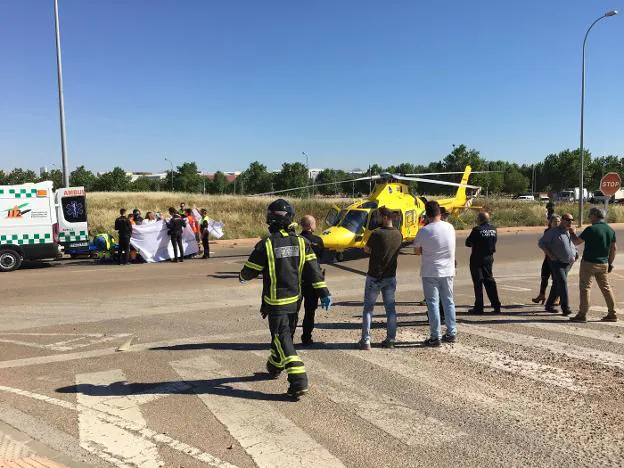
(71, 344)
(24, 362)
(411, 427)
(126, 425)
(108, 441)
(497, 360)
(571, 328)
(271, 439)
(513, 288)
(577, 352)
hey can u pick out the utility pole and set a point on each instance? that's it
(59, 74)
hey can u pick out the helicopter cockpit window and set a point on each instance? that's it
(369, 204)
(355, 221)
(372, 223)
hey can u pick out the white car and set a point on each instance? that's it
(525, 197)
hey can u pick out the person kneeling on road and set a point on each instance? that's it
(284, 259)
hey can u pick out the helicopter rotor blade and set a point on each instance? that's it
(436, 182)
(447, 173)
(314, 185)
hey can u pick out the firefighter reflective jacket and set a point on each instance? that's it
(285, 260)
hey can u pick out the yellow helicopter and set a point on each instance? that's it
(350, 227)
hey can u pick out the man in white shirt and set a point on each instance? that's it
(435, 243)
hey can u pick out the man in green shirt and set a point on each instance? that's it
(597, 261)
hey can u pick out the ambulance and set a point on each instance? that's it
(37, 223)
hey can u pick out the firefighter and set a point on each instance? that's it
(284, 259)
(310, 298)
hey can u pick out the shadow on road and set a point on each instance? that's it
(252, 346)
(340, 266)
(219, 386)
(224, 275)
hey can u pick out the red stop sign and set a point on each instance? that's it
(610, 183)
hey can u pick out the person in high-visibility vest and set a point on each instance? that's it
(105, 245)
(205, 234)
(285, 259)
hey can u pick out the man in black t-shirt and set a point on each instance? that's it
(383, 246)
(124, 230)
(310, 298)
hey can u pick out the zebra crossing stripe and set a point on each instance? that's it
(104, 439)
(271, 439)
(125, 424)
(577, 352)
(412, 427)
(615, 336)
(546, 374)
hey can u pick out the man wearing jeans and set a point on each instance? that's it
(598, 257)
(435, 242)
(561, 252)
(383, 246)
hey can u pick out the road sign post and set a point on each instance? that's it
(609, 185)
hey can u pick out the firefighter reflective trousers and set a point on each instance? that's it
(283, 355)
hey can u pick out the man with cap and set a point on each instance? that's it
(597, 262)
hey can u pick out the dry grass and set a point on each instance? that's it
(244, 216)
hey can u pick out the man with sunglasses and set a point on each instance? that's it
(561, 252)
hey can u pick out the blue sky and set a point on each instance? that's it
(350, 82)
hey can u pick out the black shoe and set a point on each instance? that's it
(497, 310)
(206, 256)
(175, 260)
(578, 318)
(449, 338)
(566, 312)
(296, 392)
(307, 341)
(551, 309)
(432, 343)
(273, 371)
(388, 344)
(475, 311)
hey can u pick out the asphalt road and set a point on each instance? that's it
(522, 388)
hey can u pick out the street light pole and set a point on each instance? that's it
(171, 173)
(582, 162)
(308, 168)
(59, 73)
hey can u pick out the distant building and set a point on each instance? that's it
(231, 176)
(149, 175)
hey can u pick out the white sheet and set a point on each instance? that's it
(153, 242)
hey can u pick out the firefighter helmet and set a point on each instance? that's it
(280, 213)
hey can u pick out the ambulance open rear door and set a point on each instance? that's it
(71, 205)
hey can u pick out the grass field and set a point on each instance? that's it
(244, 216)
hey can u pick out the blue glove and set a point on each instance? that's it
(326, 302)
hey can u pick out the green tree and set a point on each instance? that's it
(331, 177)
(255, 179)
(293, 175)
(141, 184)
(55, 175)
(113, 181)
(600, 166)
(21, 176)
(3, 178)
(514, 181)
(81, 177)
(219, 184)
(562, 169)
(187, 178)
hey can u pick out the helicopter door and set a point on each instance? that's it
(333, 216)
(397, 220)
